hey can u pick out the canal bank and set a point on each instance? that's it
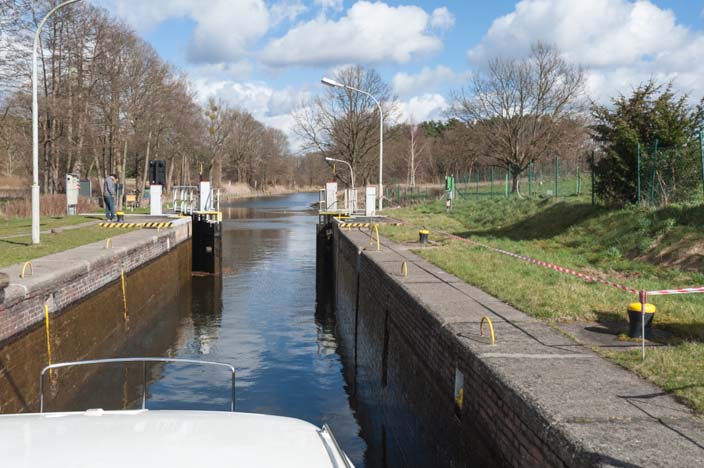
(436, 393)
(58, 280)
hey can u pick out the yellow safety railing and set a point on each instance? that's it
(491, 328)
(371, 236)
(24, 267)
(124, 295)
(48, 336)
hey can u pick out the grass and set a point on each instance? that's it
(15, 226)
(632, 246)
(20, 249)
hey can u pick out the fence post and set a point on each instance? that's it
(638, 169)
(477, 180)
(592, 167)
(530, 178)
(577, 179)
(556, 174)
(491, 174)
(652, 179)
(701, 153)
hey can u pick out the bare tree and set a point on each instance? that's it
(344, 124)
(523, 110)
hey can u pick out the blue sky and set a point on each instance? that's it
(268, 56)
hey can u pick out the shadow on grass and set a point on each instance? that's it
(546, 223)
(14, 242)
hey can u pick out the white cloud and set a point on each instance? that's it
(619, 42)
(421, 108)
(273, 107)
(427, 80)
(368, 33)
(333, 5)
(286, 10)
(442, 19)
(224, 29)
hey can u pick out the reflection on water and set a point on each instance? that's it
(260, 316)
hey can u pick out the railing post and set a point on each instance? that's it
(144, 384)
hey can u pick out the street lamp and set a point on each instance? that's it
(335, 84)
(348, 165)
(354, 191)
(35, 127)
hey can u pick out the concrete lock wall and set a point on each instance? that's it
(536, 398)
(88, 320)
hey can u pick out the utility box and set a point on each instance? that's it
(73, 188)
(370, 201)
(157, 172)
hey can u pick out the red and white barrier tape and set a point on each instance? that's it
(667, 292)
(568, 271)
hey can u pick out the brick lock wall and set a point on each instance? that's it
(93, 327)
(404, 381)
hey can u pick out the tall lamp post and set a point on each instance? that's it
(335, 84)
(35, 126)
(354, 191)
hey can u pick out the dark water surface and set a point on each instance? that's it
(261, 317)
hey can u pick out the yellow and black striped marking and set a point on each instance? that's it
(356, 225)
(161, 225)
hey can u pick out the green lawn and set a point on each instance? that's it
(20, 249)
(14, 226)
(626, 245)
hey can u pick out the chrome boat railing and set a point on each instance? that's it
(144, 361)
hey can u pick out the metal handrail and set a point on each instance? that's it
(328, 431)
(144, 361)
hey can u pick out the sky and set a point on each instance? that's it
(268, 56)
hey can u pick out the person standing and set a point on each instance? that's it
(109, 196)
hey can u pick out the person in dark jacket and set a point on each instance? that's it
(109, 196)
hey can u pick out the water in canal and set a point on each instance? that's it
(261, 317)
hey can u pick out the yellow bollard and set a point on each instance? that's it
(491, 328)
(48, 337)
(24, 267)
(124, 295)
(378, 242)
(404, 269)
(108, 242)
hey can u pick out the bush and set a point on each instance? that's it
(49, 205)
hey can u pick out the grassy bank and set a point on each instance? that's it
(16, 242)
(644, 249)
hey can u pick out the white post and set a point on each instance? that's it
(35, 127)
(155, 200)
(204, 195)
(369, 200)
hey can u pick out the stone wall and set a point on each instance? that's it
(63, 278)
(535, 398)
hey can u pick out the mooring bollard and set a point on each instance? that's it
(635, 320)
(120, 217)
(423, 236)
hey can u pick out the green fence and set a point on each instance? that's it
(661, 176)
(553, 178)
(666, 175)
